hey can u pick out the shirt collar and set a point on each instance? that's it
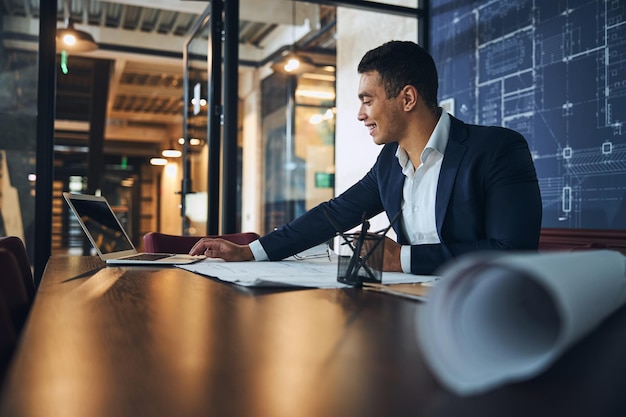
(438, 141)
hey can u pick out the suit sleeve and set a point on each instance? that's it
(506, 208)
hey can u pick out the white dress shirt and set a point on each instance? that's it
(420, 191)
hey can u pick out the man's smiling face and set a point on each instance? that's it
(384, 117)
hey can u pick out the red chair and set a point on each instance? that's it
(163, 243)
(8, 336)
(15, 245)
(17, 291)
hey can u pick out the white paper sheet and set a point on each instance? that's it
(316, 273)
(497, 318)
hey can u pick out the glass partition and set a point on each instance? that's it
(299, 143)
(194, 187)
(313, 147)
(18, 118)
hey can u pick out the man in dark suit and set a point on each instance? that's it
(458, 187)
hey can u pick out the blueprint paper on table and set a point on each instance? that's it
(315, 273)
(493, 318)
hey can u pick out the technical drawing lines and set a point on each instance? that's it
(605, 160)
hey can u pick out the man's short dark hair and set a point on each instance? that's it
(402, 63)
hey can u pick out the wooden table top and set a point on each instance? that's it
(154, 341)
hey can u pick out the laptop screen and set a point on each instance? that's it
(102, 224)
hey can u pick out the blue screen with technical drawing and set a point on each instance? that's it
(555, 71)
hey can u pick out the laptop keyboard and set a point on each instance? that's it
(147, 256)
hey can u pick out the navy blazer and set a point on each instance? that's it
(487, 199)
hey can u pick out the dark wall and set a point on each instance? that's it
(556, 72)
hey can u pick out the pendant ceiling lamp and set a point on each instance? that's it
(291, 62)
(72, 40)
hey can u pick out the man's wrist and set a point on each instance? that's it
(247, 254)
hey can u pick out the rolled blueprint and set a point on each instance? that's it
(497, 318)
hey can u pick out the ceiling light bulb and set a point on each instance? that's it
(171, 153)
(74, 40)
(158, 161)
(69, 39)
(292, 65)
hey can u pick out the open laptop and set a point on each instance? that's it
(109, 238)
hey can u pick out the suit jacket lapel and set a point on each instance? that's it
(394, 203)
(449, 169)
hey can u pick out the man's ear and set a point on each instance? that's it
(409, 97)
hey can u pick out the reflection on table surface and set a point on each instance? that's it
(148, 341)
